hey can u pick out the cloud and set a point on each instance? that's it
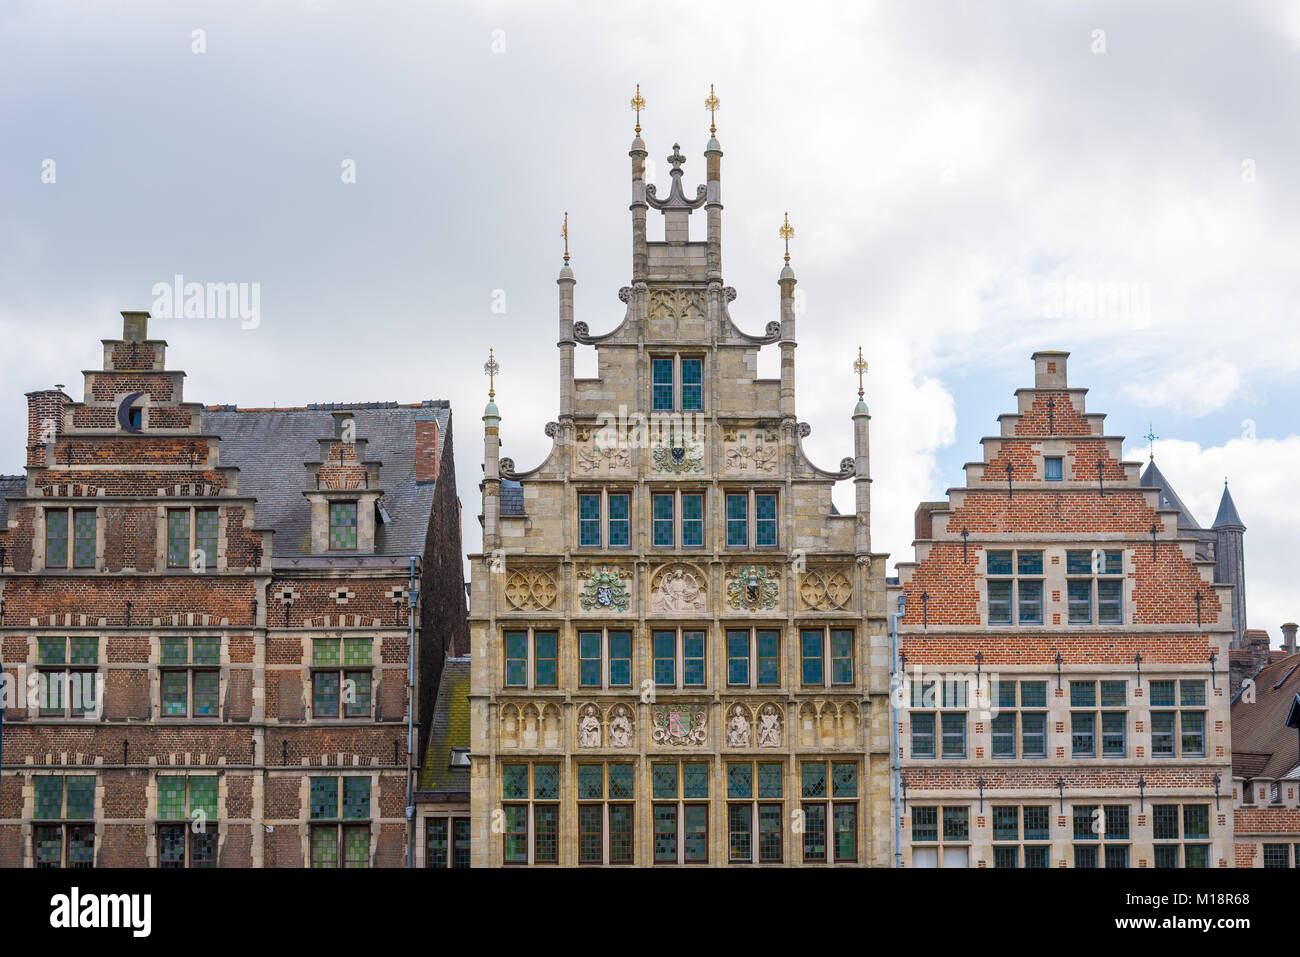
(1196, 390)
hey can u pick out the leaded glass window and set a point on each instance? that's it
(343, 526)
(620, 525)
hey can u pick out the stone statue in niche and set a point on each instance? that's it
(738, 729)
(589, 728)
(769, 728)
(620, 729)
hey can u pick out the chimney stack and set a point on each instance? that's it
(1288, 637)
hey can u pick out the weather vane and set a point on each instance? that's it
(638, 104)
(1151, 441)
(860, 367)
(712, 104)
(491, 369)
(564, 231)
(787, 233)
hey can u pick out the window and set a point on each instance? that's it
(664, 371)
(70, 531)
(1177, 723)
(954, 849)
(1015, 831)
(1101, 835)
(605, 813)
(192, 538)
(63, 828)
(1279, 855)
(340, 821)
(681, 827)
(190, 801)
(835, 820)
(939, 706)
(344, 681)
(189, 677)
(1015, 587)
(67, 678)
(135, 416)
(597, 647)
(343, 526)
(1087, 724)
(536, 654)
(1177, 831)
(1094, 587)
(446, 842)
(532, 817)
(617, 526)
(740, 506)
(679, 652)
(1031, 718)
(755, 812)
(667, 531)
(753, 657)
(824, 659)
(1052, 468)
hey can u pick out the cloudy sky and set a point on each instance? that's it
(968, 183)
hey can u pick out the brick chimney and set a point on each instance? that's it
(44, 423)
(1256, 642)
(1049, 369)
(1288, 637)
(426, 450)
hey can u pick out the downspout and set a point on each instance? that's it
(410, 721)
(894, 690)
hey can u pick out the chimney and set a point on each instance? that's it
(1288, 637)
(1257, 645)
(426, 450)
(135, 326)
(44, 423)
(1049, 369)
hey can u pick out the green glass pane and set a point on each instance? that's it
(1193, 693)
(56, 539)
(516, 833)
(205, 693)
(206, 523)
(81, 846)
(175, 693)
(48, 846)
(1162, 693)
(356, 847)
(740, 781)
(358, 686)
(81, 798)
(83, 552)
(49, 797)
(343, 525)
(178, 538)
(171, 797)
(620, 781)
(514, 781)
(546, 781)
(813, 774)
(357, 651)
(203, 795)
(769, 780)
(324, 847)
(324, 799)
(52, 651)
(356, 798)
(207, 651)
(591, 782)
(83, 651)
(844, 780)
(663, 779)
(325, 694)
(695, 780)
(173, 651)
(325, 652)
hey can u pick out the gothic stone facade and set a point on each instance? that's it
(679, 651)
(205, 643)
(1081, 717)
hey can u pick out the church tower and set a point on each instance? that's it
(679, 645)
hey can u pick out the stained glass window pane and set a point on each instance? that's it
(738, 657)
(665, 830)
(324, 847)
(769, 780)
(83, 555)
(49, 798)
(435, 842)
(171, 847)
(81, 846)
(811, 648)
(591, 842)
(692, 521)
(740, 836)
(665, 651)
(956, 824)
(845, 826)
(620, 658)
(546, 839)
(663, 521)
(591, 782)
(343, 525)
(178, 538)
(514, 781)
(546, 781)
(620, 833)
(813, 777)
(695, 833)
(356, 847)
(516, 658)
(48, 846)
(620, 781)
(52, 651)
(589, 519)
(358, 684)
(695, 780)
(1196, 820)
(844, 779)
(207, 651)
(324, 799)
(56, 539)
(357, 651)
(516, 833)
(325, 694)
(769, 664)
(925, 824)
(175, 693)
(662, 384)
(692, 658)
(620, 529)
(205, 693)
(203, 795)
(692, 385)
(325, 652)
(764, 520)
(589, 658)
(171, 797)
(740, 781)
(814, 832)
(841, 657)
(737, 520)
(545, 666)
(664, 780)
(356, 798)
(206, 523)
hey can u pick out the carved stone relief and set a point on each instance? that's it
(826, 588)
(531, 589)
(678, 589)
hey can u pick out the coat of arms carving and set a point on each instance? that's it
(605, 590)
(751, 588)
(684, 726)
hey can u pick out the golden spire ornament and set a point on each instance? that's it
(712, 104)
(638, 104)
(491, 369)
(564, 231)
(860, 367)
(787, 233)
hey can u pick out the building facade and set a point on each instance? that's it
(679, 649)
(208, 624)
(1064, 646)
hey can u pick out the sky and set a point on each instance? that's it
(967, 182)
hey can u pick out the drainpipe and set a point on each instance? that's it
(894, 690)
(410, 721)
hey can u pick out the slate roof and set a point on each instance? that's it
(270, 447)
(1153, 478)
(449, 729)
(13, 485)
(512, 497)
(1227, 511)
(1260, 728)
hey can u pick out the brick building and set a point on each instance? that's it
(679, 644)
(207, 623)
(1065, 643)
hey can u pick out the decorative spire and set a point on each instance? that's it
(1151, 443)
(860, 367)
(564, 231)
(638, 104)
(712, 104)
(787, 233)
(491, 369)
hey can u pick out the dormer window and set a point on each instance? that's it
(459, 758)
(135, 416)
(343, 526)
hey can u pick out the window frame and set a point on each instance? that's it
(69, 539)
(751, 497)
(191, 513)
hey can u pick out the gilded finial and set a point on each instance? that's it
(712, 104)
(564, 231)
(491, 369)
(860, 367)
(1151, 441)
(787, 233)
(638, 104)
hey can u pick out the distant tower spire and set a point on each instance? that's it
(491, 369)
(712, 104)
(787, 233)
(860, 367)
(564, 231)
(638, 104)
(1151, 443)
